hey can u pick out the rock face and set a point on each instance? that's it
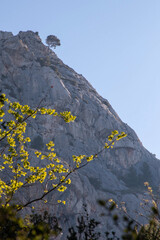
(29, 70)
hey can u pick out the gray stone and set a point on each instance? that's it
(5, 35)
(29, 72)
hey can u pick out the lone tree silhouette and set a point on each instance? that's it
(53, 41)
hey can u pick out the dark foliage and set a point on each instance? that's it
(85, 228)
(36, 227)
(53, 41)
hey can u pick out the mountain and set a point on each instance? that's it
(30, 71)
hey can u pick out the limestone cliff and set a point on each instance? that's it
(29, 70)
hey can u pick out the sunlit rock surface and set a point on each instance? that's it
(30, 72)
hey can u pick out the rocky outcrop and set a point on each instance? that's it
(5, 35)
(30, 71)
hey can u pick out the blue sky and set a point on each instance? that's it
(115, 44)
